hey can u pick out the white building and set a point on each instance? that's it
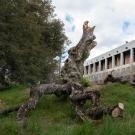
(119, 61)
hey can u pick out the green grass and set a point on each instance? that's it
(14, 95)
(85, 82)
(56, 116)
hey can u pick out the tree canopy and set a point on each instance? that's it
(30, 38)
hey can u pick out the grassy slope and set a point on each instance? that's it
(55, 116)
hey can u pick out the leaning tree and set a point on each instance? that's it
(72, 72)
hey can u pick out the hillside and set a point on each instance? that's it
(59, 118)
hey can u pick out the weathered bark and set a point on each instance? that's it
(72, 72)
(93, 96)
(97, 112)
(65, 89)
(38, 91)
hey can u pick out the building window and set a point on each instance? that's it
(117, 60)
(102, 65)
(109, 62)
(87, 69)
(96, 66)
(91, 68)
(126, 56)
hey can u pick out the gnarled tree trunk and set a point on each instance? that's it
(72, 72)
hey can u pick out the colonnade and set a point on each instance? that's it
(120, 59)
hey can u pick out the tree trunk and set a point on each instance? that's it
(72, 72)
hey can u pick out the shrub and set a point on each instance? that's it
(85, 82)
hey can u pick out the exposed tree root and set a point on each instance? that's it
(38, 91)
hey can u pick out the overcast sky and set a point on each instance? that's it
(114, 21)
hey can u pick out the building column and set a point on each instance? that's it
(99, 66)
(84, 70)
(94, 66)
(121, 59)
(105, 63)
(131, 55)
(88, 69)
(113, 61)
